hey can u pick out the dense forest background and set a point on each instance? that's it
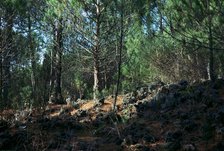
(54, 49)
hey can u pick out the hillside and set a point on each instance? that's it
(155, 117)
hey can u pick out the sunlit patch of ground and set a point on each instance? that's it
(151, 119)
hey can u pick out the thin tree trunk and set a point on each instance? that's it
(1, 67)
(96, 77)
(211, 76)
(51, 82)
(171, 26)
(59, 48)
(161, 22)
(221, 66)
(105, 77)
(96, 69)
(52, 68)
(120, 53)
(33, 62)
(7, 58)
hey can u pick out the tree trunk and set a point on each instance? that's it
(171, 26)
(96, 68)
(33, 63)
(221, 66)
(6, 59)
(59, 49)
(52, 68)
(96, 77)
(161, 22)
(211, 71)
(105, 78)
(120, 53)
(55, 95)
(1, 67)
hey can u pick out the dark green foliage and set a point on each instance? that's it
(46, 41)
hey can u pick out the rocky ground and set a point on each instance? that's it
(155, 117)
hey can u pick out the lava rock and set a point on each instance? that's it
(184, 116)
(173, 136)
(218, 147)
(155, 85)
(174, 87)
(129, 99)
(218, 84)
(141, 106)
(75, 105)
(101, 100)
(137, 131)
(160, 98)
(149, 138)
(219, 116)
(142, 93)
(173, 146)
(3, 125)
(197, 92)
(183, 83)
(189, 147)
(189, 125)
(82, 113)
(141, 147)
(5, 140)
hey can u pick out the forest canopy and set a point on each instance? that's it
(54, 49)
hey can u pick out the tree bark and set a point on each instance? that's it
(1, 67)
(96, 77)
(56, 64)
(161, 23)
(211, 71)
(52, 68)
(7, 57)
(120, 53)
(96, 68)
(59, 51)
(33, 62)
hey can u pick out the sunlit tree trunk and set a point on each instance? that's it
(211, 71)
(96, 67)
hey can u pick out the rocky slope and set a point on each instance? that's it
(155, 117)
